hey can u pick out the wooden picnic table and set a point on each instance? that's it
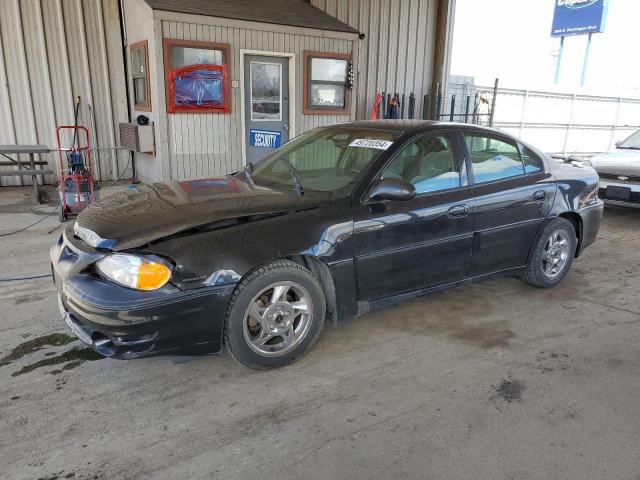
(31, 150)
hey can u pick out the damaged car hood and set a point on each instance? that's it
(618, 162)
(150, 212)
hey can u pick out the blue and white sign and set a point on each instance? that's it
(264, 138)
(577, 17)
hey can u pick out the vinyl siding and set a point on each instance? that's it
(50, 52)
(397, 52)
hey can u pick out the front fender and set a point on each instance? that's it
(225, 255)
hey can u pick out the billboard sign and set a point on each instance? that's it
(577, 17)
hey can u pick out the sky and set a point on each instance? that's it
(510, 39)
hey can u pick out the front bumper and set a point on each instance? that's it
(634, 193)
(124, 323)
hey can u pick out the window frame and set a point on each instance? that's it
(309, 109)
(543, 165)
(225, 48)
(503, 138)
(144, 46)
(457, 150)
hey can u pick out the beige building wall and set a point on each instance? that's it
(397, 53)
(52, 51)
(201, 145)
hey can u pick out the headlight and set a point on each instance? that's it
(133, 271)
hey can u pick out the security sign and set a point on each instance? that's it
(264, 138)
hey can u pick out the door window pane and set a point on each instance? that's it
(183, 56)
(532, 163)
(328, 70)
(427, 163)
(266, 91)
(493, 158)
(327, 95)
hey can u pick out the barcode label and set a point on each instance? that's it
(368, 143)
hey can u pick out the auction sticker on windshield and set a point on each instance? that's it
(370, 143)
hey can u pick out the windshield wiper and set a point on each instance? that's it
(297, 181)
(628, 148)
(248, 169)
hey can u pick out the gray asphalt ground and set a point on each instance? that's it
(497, 380)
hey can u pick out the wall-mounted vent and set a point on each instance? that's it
(138, 138)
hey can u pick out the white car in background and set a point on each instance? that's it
(619, 171)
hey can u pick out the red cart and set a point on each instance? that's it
(75, 172)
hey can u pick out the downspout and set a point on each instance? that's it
(125, 44)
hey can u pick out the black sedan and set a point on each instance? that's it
(335, 223)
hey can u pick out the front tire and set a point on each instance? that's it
(552, 254)
(275, 315)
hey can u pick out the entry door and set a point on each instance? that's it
(402, 246)
(266, 108)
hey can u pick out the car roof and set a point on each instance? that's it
(414, 126)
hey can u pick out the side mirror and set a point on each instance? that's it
(390, 189)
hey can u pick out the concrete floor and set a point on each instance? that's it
(497, 380)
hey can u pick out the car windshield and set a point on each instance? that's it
(633, 142)
(330, 159)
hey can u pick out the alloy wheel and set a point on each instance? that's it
(555, 254)
(278, 319)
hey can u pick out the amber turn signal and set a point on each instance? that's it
(134, 271)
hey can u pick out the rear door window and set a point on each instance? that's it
(493, 158)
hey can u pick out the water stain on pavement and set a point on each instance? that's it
(76, 356)
(446, 314)
(486, 335)
(30, 346)
(509, 390)
(59, 476)
(33, 297)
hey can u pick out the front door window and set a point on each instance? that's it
(427, 163)
(266, 91)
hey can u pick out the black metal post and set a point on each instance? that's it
(412, 105)
(466, 109)
(402, 107)
(383, 106)
(493, 102)
(425, 107)
(475, 109)
(453, 108)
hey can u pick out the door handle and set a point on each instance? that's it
(539, 195)
(458, 211)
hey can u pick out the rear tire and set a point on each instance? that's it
(275, 315)
(552, 255)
